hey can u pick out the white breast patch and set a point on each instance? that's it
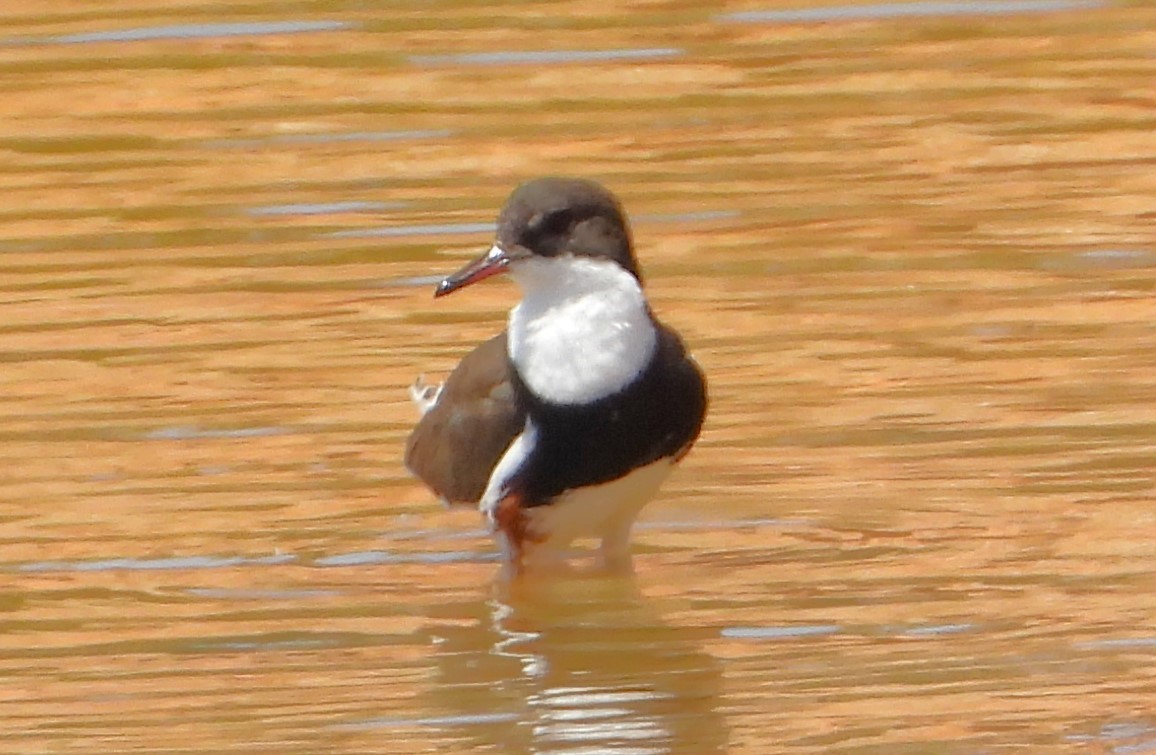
(582, 330)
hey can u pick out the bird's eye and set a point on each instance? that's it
(546, 232)
(555, 223)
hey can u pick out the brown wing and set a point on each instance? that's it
(458, 442)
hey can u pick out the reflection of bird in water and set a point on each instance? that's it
(577, 665)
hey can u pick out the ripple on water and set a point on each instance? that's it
(186, 32)
(366, 558)
(154, 564)
(336, 137)
(544, 57)
(437, 722)
(322, 208)
(425, 229)
(778, 633)
(188, 432)
(928, 8)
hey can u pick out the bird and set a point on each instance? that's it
(564, 425)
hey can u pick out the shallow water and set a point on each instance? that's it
(912, 245)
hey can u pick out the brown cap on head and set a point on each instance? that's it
(552, 216)
(549, 217)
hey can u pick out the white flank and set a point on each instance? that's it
(582, 330)
(496, 488)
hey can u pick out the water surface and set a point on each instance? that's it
(911, 245)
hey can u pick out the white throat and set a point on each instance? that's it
(582, 330)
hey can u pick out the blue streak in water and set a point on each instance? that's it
(153, 564)
(778, 633)
(689, 217)
(198, 31)
(364, 558)
(907, 10)
(527, 57)
(196, 433)
(416, 280)
(1123, 642)
(322, 208)
(933, 630)
(1117, 731)
(435, 229)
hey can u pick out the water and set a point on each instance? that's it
(911, 244)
